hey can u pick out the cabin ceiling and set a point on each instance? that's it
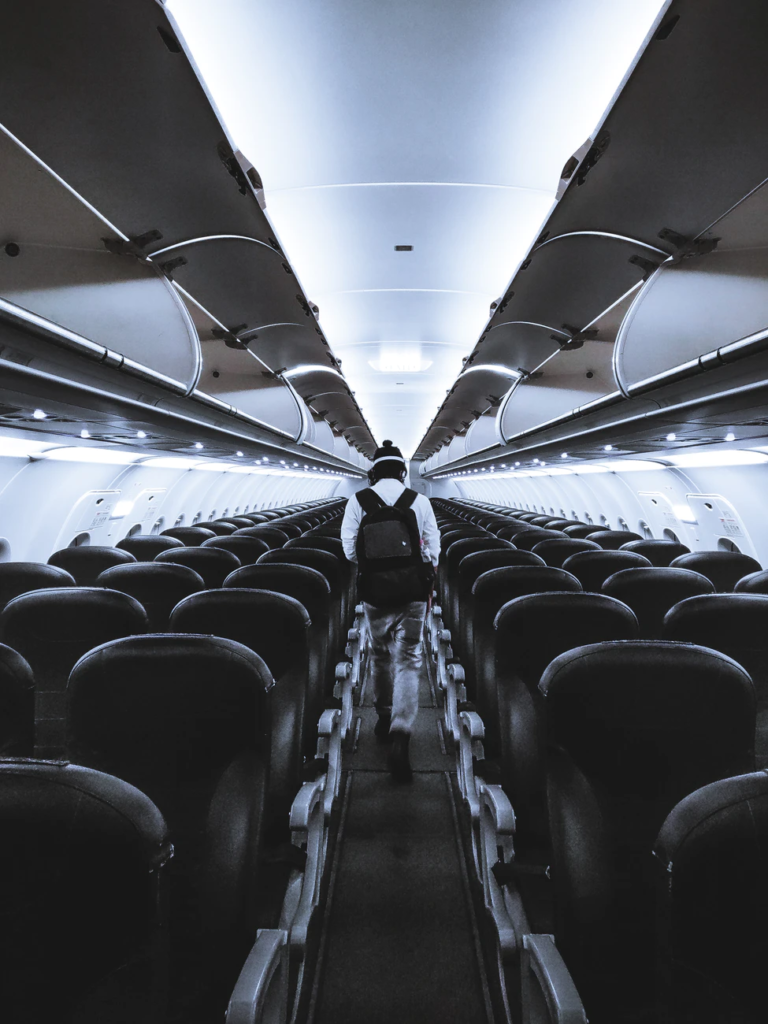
(439, 124)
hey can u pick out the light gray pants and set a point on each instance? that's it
(395, 659)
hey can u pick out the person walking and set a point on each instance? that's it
(390, 532)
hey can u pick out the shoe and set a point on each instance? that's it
(381, 729)
(399, 762)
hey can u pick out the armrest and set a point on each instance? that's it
(345, 685)
(260, 995)
(471, 734)
(548, 983)
(308, 832)
(329, 740)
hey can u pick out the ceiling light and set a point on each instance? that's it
(608, 448)
(198, 445)
(38, 414)
(140, 434)
(684, 513)
(730, 436)
(239, 454)
(564, 455)
(671, 437)
(85, 433)
(698, 460)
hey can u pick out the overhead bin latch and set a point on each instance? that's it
(230, 336)
(687, 248)
(577, 337)
(133, 246)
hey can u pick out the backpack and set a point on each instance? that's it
(390, 569)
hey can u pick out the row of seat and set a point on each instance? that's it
(594, 735)
(221, 737)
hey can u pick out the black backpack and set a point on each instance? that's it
(390, 569)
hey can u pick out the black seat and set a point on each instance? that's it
(256, 517)
(530, 632)
(713, 901)
(470, 568)
(17, 705)
(580, 531)
(237, 521)
(247, 549)
(190, 536)
(321, 543)
(221, 529)
(348, 569)
(528, 539)
(724, 568)
(632, 727)
(491, 590)
(157, 586)
(592, 568)
(736, 625)
(21, 577)
(85, 563)
(276, 627)
(612, 540)
(83, 884)
(290, 529)
(270, 535)
(212, 564)
(651, 592)
(510, 529)
(752, 583)
(658, 552)
(52, 629)
(554, 551)
(311, 589)
(144, 548)
(459, 549)
(186, 720)
(330, 567)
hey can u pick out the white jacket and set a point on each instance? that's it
(389, 490)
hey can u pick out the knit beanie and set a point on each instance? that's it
(388, 451)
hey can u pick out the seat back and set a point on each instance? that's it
(212, 564)
(612, 540)
(144, 548)
(17, 705)
(531, 631)
(247, 549)
(490, 591)
(83, 880)
(190, 536)
(186, 720)
(554, 551)
(221, 529)
(157, 586)
(658, 552)
(713, 903)
(270, 535)
(276, 628)
(651, 592)
(592, 568)
(632, 727)
(528, 539)
(752, 583)
(723, 568)
(458, 550)
(52, 629)
(85, 563)
(580, 531)
(510, 529)
(21, 577)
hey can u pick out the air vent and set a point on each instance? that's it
(403, 248)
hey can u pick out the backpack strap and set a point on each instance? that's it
(369, 500)
(406, 499)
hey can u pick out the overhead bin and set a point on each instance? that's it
(482, 434)
(520, 345)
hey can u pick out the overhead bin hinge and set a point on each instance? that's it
(647, 266)
(230, 336)
(232, 164)
(687, 248)
(133, 246)
(170, 265)
(594, 153)
(577, 337)
(494, 401)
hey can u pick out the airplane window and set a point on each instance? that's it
(179, 520)
(5, 550)
(604, 522)
(670, 535)
(80, 540)
(645, 530)
(623, 524)
(724, 544)
(157, 526)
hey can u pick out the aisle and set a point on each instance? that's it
(399, 942)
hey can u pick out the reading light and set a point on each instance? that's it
(85, 433)
(239, 454)
(608, 448)
(564, 455)
(671, 437)
(730, 436)
(198, 445)
(140, 434)
(38, 414)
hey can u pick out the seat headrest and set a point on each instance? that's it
(510, 529)
(592, 568)
(70, 616)
(330, 544)
(86, 562)
(212, 564)
(651, 592)
(307, 586)
(166, 711)
(580, 531)
(270, 535)
(752, 583)
(612, 540)
(555, 550)
(475, 564)
(272, 624)
(468, 545)
(497, 586)
(534, 629)
(247, 549)
(190, 536)
(17, 705)
(658, 552)
(723, 568)
(21, 577)
(157, 586)
(322, 561)
(648, 718)
(144, 549)
(528, 539)
(734, 620)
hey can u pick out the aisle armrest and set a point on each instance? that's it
(495, 845)
(344, 690)
(470, 749)
(308, 833)
(549, 994)
(329, 740)
(260, 995)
